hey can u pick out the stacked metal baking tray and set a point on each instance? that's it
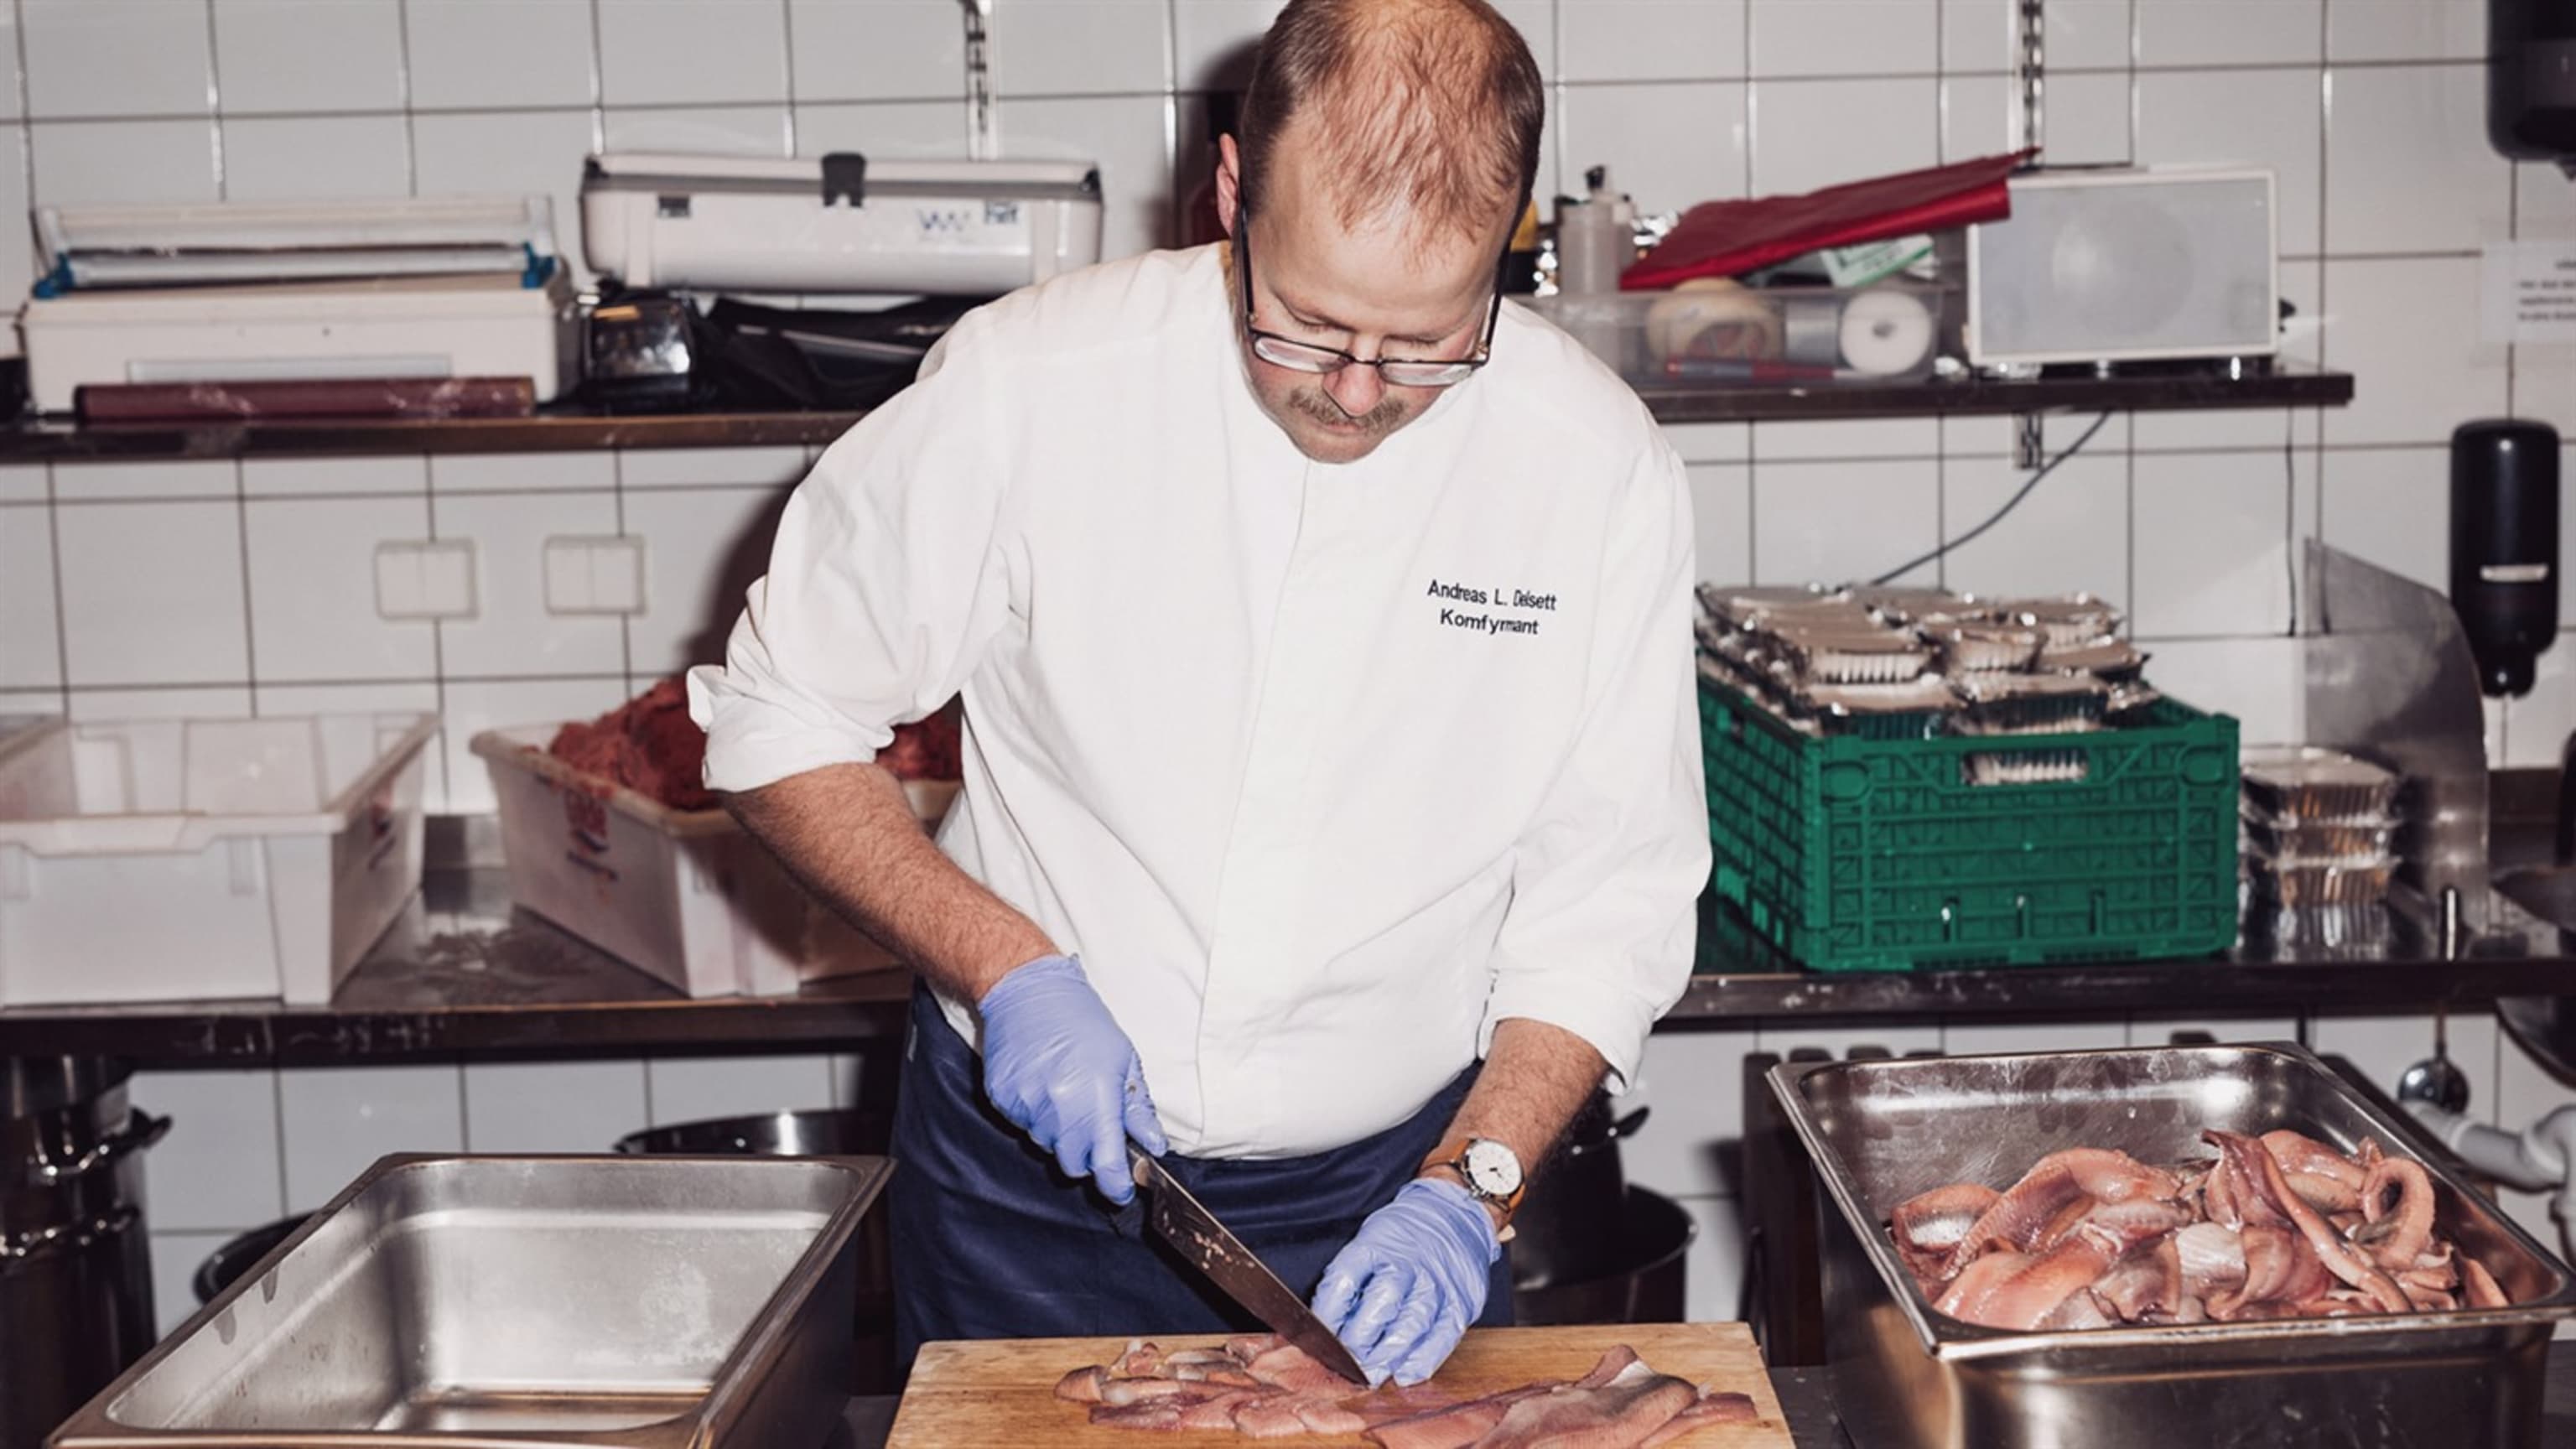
(1909, 1377)
(2319, 840)
(1894, 662)
(654, 1303)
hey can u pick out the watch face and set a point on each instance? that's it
(1491, 1168)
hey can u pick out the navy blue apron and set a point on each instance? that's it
(992, 1240)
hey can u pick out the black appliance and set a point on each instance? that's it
(2504, 546)
(2531, 80)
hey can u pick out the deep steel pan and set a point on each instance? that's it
(1910, 1378)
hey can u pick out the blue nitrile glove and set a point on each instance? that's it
(1402, 1293)
(1057, 1065)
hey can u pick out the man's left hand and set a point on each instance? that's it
(1401, 1294)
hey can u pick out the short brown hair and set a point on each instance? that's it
(1433, 104)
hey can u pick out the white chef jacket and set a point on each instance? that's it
(1322, 770)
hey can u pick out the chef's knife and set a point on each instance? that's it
(1182, 1221)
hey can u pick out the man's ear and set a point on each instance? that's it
(1229, 184)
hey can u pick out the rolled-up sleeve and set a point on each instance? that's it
(1599, 933)
(884, 585)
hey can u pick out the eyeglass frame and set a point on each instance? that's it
(1483, 354)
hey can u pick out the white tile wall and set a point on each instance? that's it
(313, 589)
(667, 52)
(1836, 522)
(2408, 167)
(2392, 507)
(30, 644)
(310, 55)
(691, 1089)
(2068, 535)
(122, 162)
(512, 634)
(499, 53)
(1631, 129)
(1637, 40)
(220, 1167)
(131, 58)
(552, 1106)
(2230, 32)
(291, 159)
(2385, 321)
(152, 592)
(341, 1119)
(2406, 30)
(1804, 137)
(2367, 108)
(877, 50)
(1844, 37)
(2265, 118)
(703, 547)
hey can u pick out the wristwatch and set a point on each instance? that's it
(1490, 1169)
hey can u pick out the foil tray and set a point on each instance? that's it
(1906, 1377)
(505, 1301)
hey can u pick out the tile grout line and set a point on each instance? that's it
(402, 87)
(62, 607)
(215, 104)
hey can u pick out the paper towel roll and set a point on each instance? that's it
(1885, 332)
(1811, 330)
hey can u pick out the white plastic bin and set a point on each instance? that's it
(194, 859)
(683, 894)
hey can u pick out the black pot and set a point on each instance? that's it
(226, 1264)
(1570, 1228)
(1648, 1285)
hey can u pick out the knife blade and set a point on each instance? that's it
(1184, 1222)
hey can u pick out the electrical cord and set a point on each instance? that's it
(2290, 515)
(1901, 570)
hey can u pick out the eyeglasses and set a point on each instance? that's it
(1298, 356)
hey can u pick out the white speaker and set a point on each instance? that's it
(2103, 266)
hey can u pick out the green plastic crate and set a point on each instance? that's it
(1854, 854)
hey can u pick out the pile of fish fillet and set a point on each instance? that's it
(2280, 1226)
(1264, 1388)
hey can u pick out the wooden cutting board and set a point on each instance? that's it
(973, 1395)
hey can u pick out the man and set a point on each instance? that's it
(1322, 628)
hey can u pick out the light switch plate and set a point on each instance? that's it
(425, 579)
(594, 575)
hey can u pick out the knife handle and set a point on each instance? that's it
(1128, 1219)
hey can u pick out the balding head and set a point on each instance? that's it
(1424, 113)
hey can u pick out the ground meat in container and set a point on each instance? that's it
(651, 746)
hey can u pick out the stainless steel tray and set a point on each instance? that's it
(500, 1301)
(1906, 1377)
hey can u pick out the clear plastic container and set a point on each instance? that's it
(1717, 333)
(191, 859)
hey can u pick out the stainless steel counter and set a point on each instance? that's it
(462, 972)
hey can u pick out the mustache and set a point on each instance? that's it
(1388, 412)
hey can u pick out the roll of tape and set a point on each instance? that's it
(1885, 332)
(1811, 330)
(1712, 317)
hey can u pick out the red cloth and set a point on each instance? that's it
(1729, 238)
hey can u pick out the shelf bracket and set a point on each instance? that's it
(2033, 71)
(2030, 447)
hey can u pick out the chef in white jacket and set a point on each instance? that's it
(1332, 815)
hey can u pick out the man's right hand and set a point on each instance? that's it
(1057, 1065)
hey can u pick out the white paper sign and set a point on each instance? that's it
(2527, 292)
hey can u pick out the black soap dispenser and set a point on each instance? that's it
(2504, 546)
